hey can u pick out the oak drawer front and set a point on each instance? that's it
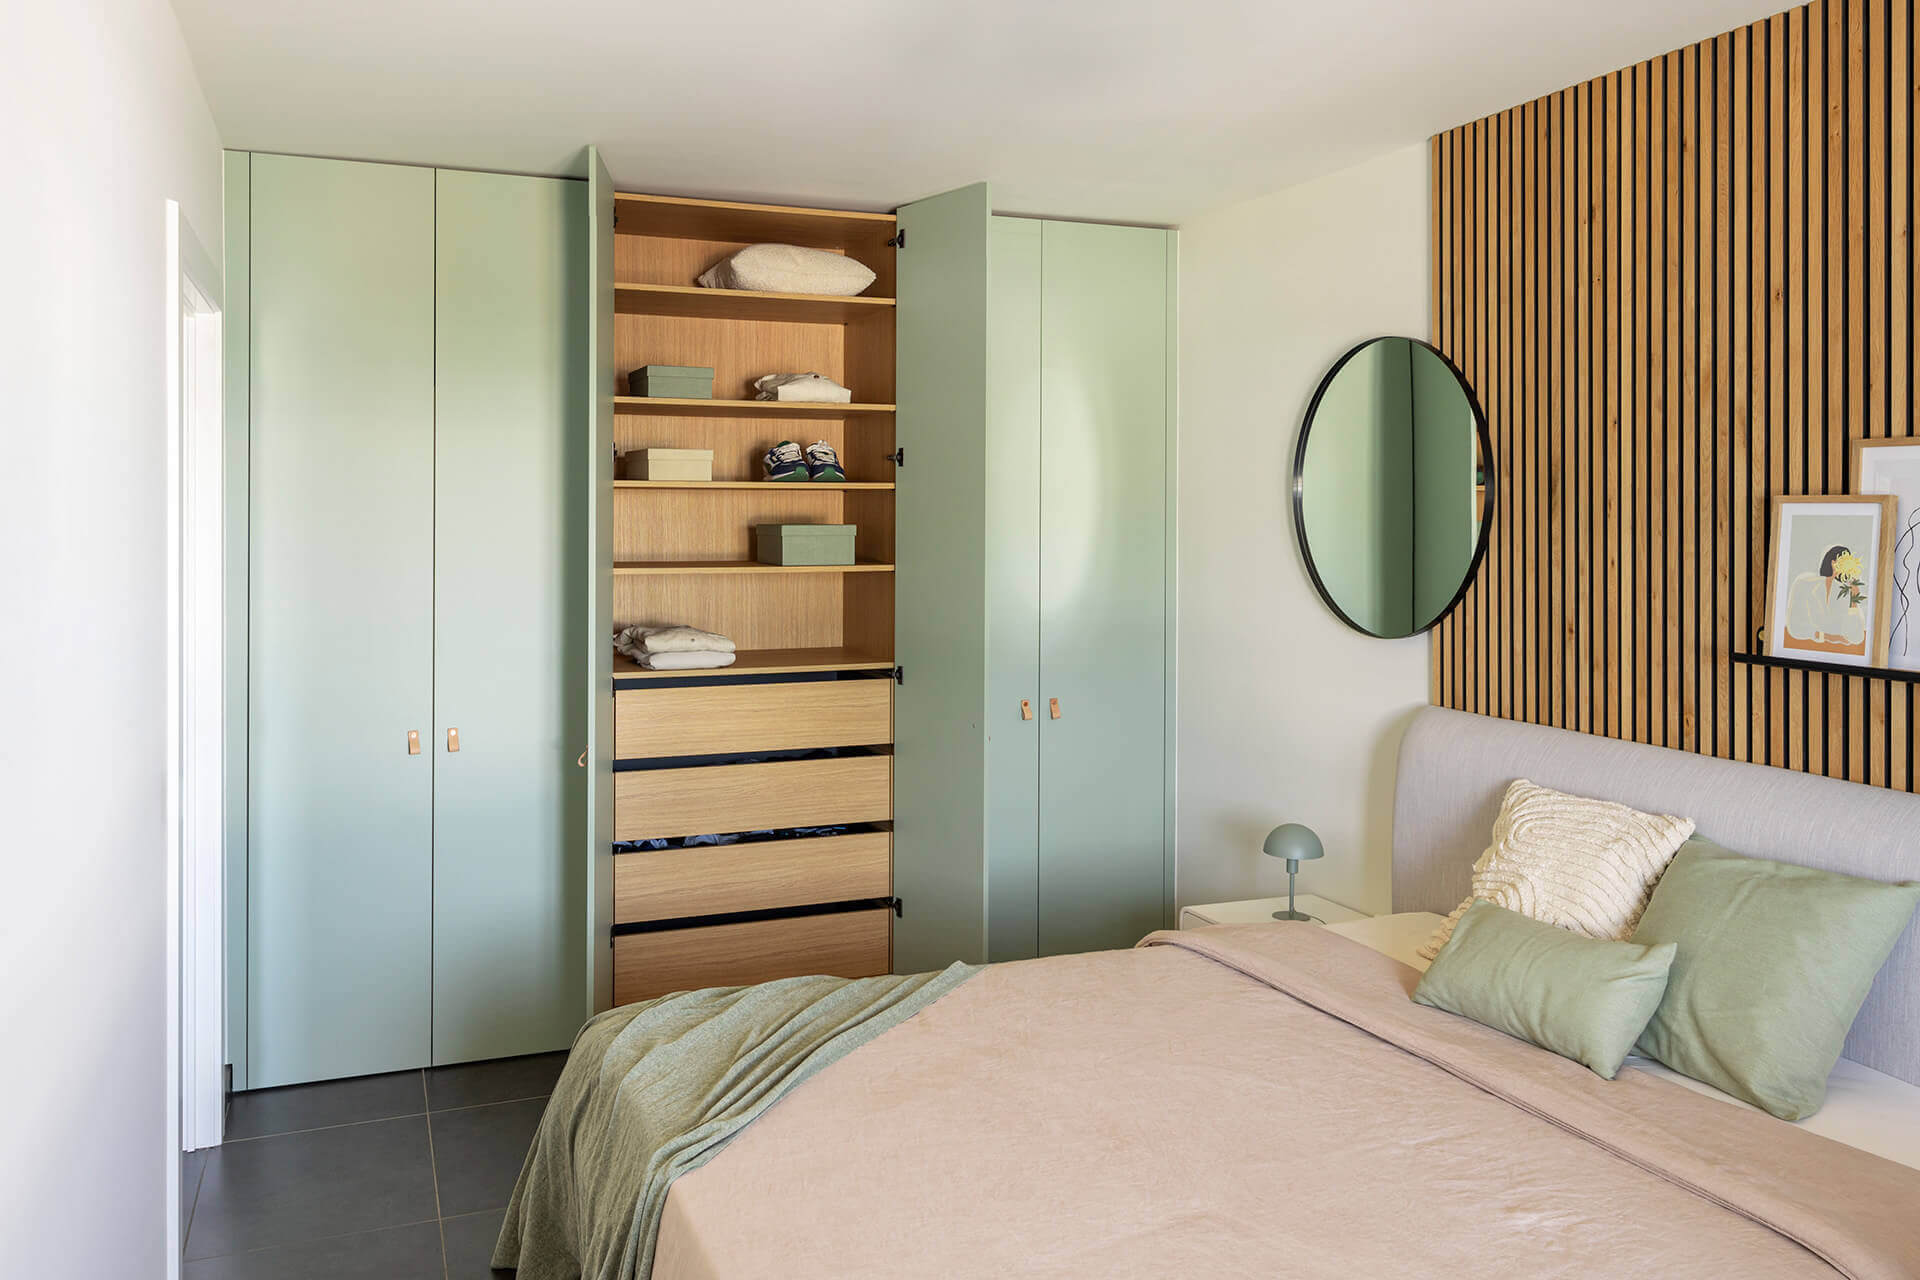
(672, 883)
(711, 720)
(846, 944)
(649, 803)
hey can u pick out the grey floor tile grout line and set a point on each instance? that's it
(497, 1102)
(193, 1206)
(475, 1106)
(433, 1167)
(338, 1235)
(474, 1213)
(408, 1115)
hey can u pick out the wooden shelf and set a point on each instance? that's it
(688, 556)
(1825, 668)
(744, 304)
(764, 662)
(727, 220)
(637, 568)
(744, 408)
(791, 486)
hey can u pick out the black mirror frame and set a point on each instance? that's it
(1487, 470)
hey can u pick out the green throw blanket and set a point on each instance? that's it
(655, 1090)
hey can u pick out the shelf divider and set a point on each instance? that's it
(744, 304)
(748, 662)
(792, 486)
(679, 408)
(638, 568)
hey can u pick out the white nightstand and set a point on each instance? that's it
(1260, 911)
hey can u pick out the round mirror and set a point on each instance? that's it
(1391, 495)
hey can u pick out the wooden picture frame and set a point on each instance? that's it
(1812, 612)
(1892, 467)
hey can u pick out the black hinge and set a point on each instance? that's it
(899, 675)
(899, 239)
(899, 457)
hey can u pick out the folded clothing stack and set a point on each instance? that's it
(674, 648)
(801, 388)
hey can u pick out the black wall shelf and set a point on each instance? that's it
(1826, 668)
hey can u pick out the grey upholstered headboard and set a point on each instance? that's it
(1454, 767)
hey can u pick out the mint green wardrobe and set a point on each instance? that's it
(415, 419)
(1040, 540)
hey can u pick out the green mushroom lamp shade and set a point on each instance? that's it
(1297, 844)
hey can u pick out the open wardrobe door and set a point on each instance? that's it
(595, 464)
(939, 757)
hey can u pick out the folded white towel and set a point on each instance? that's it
(685, 640)
(686, 660)
(801, 388)
(673, 648)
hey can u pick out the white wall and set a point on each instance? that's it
(101, 120)
(1285, 714)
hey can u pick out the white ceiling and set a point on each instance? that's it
(1126, 110)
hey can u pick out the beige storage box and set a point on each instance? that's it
(667, 464)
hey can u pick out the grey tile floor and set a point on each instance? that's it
(395, 1177)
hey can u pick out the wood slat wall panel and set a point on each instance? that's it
(1679, 290)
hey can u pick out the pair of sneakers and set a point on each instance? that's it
(819, 461)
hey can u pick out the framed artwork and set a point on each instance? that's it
(1893, 467)
(1829, 579)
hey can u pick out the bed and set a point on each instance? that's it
(1266, 1100)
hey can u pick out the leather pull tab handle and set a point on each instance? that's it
(1053, 708)
(1026, 709)
(413, 742)
(453, 739)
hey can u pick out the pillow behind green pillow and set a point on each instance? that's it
(1774, 963)
(1582, 998)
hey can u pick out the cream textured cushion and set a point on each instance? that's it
(787, 268)
(1584, 865)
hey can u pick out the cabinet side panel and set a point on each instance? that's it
(595, 463)
(235, 336)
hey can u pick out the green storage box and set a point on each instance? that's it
(674, 381)
(804, 543)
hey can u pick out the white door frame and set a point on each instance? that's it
(196, 927)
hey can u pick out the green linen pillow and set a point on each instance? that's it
(1774, 963)
(1582, 998)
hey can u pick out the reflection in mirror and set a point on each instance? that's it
(1390, 495)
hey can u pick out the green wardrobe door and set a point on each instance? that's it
(1013, 588)
(594, 466)
(939, 779)
(1103, 577)
(340, 911)
(511, 283)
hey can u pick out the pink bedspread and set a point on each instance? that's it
(1265, 1101)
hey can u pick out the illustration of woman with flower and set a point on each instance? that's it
(1823, 608)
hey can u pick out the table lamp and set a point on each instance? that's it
(1297, 844)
